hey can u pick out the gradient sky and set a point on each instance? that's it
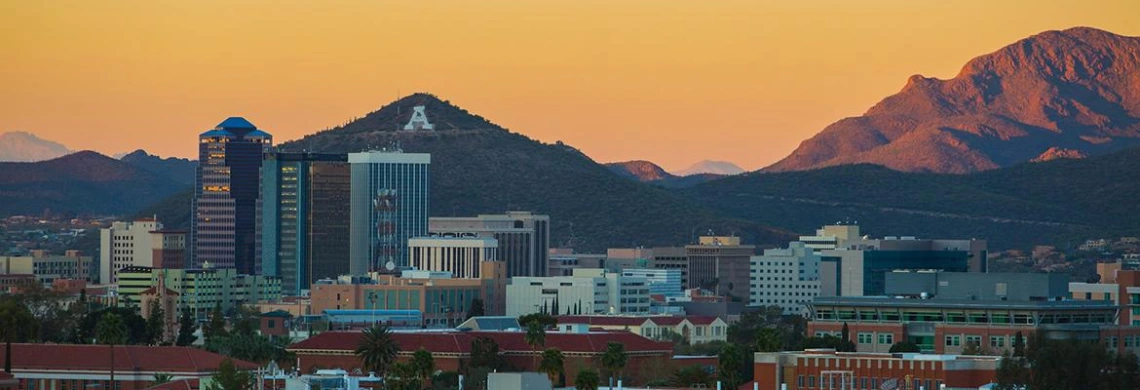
(673, 82)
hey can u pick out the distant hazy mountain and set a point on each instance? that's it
(648, 172)
(19, 146)
(710, 166)
(177, 169)
(1056, 94)
(83, 183)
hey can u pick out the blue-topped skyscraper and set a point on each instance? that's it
(227, 195)
(389, 205)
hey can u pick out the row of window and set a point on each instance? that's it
(862, 383)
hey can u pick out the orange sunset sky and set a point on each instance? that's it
(673, 82)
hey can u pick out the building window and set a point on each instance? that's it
(953, 341)
(886, 338)
(865, 338)
(997, 341)
(974, 340)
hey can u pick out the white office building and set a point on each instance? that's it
(665, 282)
(126, 244)
(587, 291)
(787, 278)
(461, 256)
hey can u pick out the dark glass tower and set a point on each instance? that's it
(304, 217)
(227, 196)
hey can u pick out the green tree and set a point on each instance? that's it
(542, 318)
(485, 353)
(551, 365)
(134, 323)
(692, 376)
(402, 376)
(587, 379)
(445, 380)
(1012, 373)
(535, 337)
(186, 329)
(111, 331)
(769, 340)
(377, 349)
(1018, 344)
(229, 377)
(423, 364)
(477, 309)
(734, 365)
(904, 347)
(614, 359)
(16, 325)
(216, 327)
(155, 325)
(973, 349)
(161, 377)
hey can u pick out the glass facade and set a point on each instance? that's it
(389, 205)
(305, 213)
(224, 219)
(877, 263)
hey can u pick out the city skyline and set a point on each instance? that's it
(767, 75)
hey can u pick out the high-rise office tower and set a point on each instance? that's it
(304, 218)
(389, 205)
(720, 264)
(125, 244)
(226, 198)
(523, 238)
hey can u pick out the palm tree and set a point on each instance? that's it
(377, 349)
(613, 359)
(587, 379)
(535, 337)
(162, 377)
(111, 331)
(551, 364)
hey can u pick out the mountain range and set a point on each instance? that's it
(1066, 94)
(20, 146)
(80, 183)
(1028, 145)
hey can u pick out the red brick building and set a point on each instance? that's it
(77, 366)
(452, 350)
(827, 369)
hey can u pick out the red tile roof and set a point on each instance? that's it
(182, 384)
(509, 342)
(127, 358)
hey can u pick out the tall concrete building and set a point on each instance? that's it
(304, 218)
(126, 244)
(460, 256)
(389, 205)
(720, 264)
(788, 278)
(227, 196)
(523, 238)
